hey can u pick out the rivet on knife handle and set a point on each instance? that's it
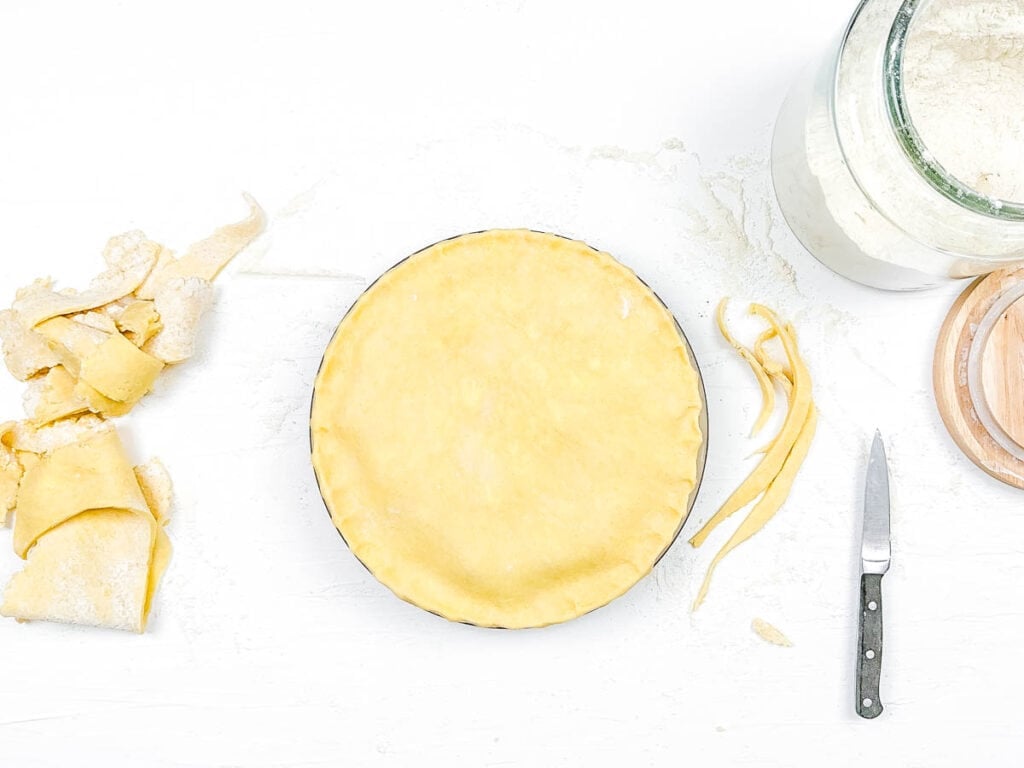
(869, 659)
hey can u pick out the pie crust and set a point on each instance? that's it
(506, 429)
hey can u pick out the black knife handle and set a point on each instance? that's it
(869, 649)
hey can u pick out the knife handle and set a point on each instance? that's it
(869, 649)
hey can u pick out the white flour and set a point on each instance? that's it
(964, 66)
(847, 186)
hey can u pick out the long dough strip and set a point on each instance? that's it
(779, 373)
(769, 504)
(767, 390)
(777, 452)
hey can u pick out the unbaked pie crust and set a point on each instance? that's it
(506, 429)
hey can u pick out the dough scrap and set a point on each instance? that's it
(76, 478)
(89, 524)
(10, 479)
(775, 490)
(496, 441)
(23, 437)
(26, 353)
(162, 551)
(119, 370)
(147, 290)
(775, 456)
(98, 320)
(94, 569)
(108, 362)
(763, 379)
(155, 482)
(206, 258)
(770, 634)
(71, 341)
(180, 303)
(129, 257)
(52, 397)
(139, 321)
(770, 502)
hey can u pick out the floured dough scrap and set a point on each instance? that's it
(26, 353)
(208, 257)
(148, 288)
(162, 551)
(180, 303)
(71, 341)
(10, 478)
(94, 569)
(76, 478)
(100, 404)
(107, 362)
(119, 370)
(155, 483)
(97, 320)
(129, 257)
(52, 397)
(139, 321)
(24, 438)
(770, 634)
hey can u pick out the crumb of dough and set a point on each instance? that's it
(770, 634)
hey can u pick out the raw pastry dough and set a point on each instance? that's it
(94, 474)
(505, 429)
(130, 258)
(93, 569)
(770, 634)
(51, 397)
(91, 526)
(771, 483)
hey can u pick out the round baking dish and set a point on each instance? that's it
(701, 455)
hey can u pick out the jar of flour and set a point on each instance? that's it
(898, 160)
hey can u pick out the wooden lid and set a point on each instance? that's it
(979, 374)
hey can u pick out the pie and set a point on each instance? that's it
(505, 429)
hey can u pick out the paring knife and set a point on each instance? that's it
(875, 556)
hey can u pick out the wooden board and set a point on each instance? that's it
(979, 374)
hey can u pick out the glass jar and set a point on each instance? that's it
(854, 178)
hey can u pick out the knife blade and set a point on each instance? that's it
(876, 552)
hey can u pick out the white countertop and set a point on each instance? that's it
(368, 132)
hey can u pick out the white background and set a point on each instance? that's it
(367, 131)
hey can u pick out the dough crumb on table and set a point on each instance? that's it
(770, 634)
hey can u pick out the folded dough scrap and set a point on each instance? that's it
(95, 547)
(90, 525)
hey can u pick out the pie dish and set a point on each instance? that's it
(508, 429)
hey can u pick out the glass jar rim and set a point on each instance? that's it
(910, 140)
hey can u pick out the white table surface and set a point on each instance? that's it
(367, 131)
